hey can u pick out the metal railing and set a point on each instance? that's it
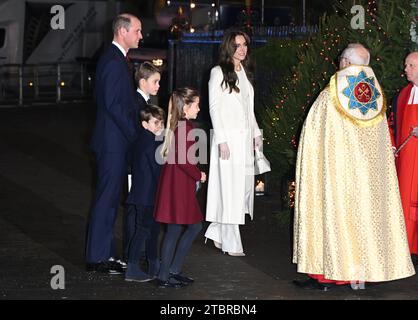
(192, 55)
(22, 84)
(260, 31)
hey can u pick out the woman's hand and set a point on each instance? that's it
(258, 142)
(224, 151)
(202, 177)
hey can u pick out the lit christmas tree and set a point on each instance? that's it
(388, 28)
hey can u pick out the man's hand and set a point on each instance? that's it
(224, 151)
(415, 131)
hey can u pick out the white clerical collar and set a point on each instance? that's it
(413, 97)
(120, 48)
(143, 94)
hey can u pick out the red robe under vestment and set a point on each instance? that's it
(406, 118)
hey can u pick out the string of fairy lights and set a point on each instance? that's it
(317, 63)
(284, 117)
(332, 41)
(193, 6)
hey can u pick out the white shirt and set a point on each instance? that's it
(120, 48)
(243, 84)
(143, 94)
(413, 97)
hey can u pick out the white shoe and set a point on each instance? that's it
(217, 244)
(237, 254)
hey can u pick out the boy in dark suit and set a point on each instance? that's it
(146, 167)
(147, 78)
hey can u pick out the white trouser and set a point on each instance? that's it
(226, 234)
(249, 185)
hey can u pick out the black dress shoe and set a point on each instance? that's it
(312, 284)
(169, 283)
(119, 262)
(414, 258)
(181, 278)
(105, 267)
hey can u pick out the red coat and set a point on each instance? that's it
(406, 118)
(176, 201)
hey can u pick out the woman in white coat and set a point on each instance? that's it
(236, 133)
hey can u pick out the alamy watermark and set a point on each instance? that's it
(192, 147)
(360, 276)
(358, 20)
(58, 280)
(58, 20)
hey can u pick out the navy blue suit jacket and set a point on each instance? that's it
(116, 123)
(141, 103)
(145, 170)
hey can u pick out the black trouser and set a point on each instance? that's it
(145, 235)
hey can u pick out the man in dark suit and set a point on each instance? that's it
(115, 130)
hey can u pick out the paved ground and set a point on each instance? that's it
(46, 187)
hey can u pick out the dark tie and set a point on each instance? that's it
(129, 64)
(149, 101)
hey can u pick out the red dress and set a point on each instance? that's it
(407, 165)
(176, 201)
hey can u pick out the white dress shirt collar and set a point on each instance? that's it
(413, 97)
(143, 94)
(120, 48)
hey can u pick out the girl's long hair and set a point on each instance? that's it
(226, 62)
(179, 98)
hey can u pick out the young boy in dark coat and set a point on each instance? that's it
(145, 176)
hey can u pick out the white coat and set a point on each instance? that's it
(233, 122)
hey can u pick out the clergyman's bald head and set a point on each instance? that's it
(413, 56)
(355, 53)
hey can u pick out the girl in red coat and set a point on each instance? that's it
(176, 203)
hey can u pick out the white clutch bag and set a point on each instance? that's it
(262, 165)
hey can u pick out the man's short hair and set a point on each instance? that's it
(152, 111)
(145, 70)
(356, 53)
(121, 21)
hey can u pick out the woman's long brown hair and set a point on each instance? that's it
(226, 62)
